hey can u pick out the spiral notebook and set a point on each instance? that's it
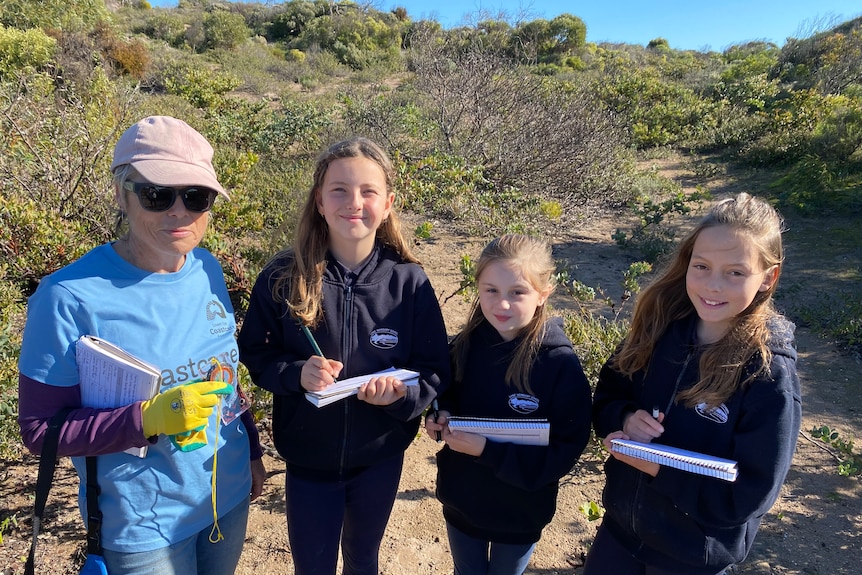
(520, 431)
(677, 458)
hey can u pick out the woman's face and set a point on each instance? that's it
(159, 241)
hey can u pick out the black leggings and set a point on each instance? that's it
(353, 511)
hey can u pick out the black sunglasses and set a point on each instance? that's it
(156, 198)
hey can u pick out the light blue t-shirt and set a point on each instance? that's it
(181, 322)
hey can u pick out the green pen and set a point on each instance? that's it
(311, 340)
(313, 343)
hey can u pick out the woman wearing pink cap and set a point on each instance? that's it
(183, 506)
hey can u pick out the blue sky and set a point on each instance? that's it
(685, 24)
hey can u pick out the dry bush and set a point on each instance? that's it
(536, 134)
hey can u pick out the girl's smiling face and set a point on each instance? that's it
(724, 275)
(354, 200)
(507, 299)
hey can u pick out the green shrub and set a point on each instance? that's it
(167, 27)
(594, 338)
(293, 19)
(597, 332)
(729, 127)
(11, 321)
(21, 49)
(838, 135)
(294, 55)
(34, 241)
(57, 140)
(392, 118)
(57, 14)
(224, 30)
(202, 87)
(10, 347)
(660, 111)
(295, 126)
(357, 39)
(652, 235)
(809, 185)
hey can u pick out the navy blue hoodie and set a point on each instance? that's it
(683, 521)
(509, 493)
(385, 315)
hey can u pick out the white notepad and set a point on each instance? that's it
(347, 387)
(520, 431)
(112, 377)
(677, 458)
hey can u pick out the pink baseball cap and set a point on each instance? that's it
(168, 152)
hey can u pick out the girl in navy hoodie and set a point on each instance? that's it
(712, 359)
(352, 282)
(510, 361)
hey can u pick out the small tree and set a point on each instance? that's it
(224, 30)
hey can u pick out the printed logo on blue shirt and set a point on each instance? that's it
(217, 315)
(214, 309)
(717, 414)
(523, 403)
(384, 338)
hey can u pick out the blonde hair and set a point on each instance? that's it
(665, 300)
(532, 257)
(302, 274)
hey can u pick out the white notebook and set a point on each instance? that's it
(520, 431)
(347, 387)
(112, 377)
(677, 458)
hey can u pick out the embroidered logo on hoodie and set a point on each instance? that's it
(523, 403)
(384, 338)
(717, 414)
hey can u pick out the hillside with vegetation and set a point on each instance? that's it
(499, 126)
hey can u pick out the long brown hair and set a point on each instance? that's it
(532, 257)
(665, 300)
(302, 273)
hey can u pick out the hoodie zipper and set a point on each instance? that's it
(346, 338)
(679, 377)
(641, 476)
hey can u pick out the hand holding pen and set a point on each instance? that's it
(437, 435)
(644, 426)
(318, 372)
(435, 422)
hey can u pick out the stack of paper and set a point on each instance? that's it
(347, 387)
(112, 377)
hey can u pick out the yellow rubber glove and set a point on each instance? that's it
(191, 440)
(182, 409)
